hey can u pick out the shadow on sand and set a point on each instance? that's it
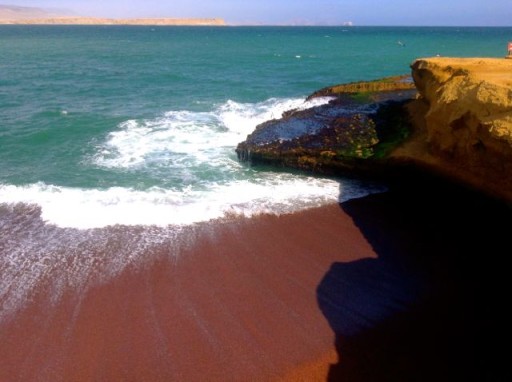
(430, 307)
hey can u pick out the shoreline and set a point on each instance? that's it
(408, 284)
(327, 293)
(239, 300)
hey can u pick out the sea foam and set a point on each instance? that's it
(192, 153)
(199, 135)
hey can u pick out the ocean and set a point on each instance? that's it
(115, 140)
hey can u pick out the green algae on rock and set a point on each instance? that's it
(358, 127)
(361, 89)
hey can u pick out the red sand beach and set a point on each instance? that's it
(378, 288)
(239, 304)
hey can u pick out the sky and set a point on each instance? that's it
(298, 12)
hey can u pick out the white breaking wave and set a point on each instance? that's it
(209, 183)
(200, 136)
(93, 208)
(55, 235)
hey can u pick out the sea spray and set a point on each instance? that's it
(186, 172)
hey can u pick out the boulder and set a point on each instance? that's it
(342, 135)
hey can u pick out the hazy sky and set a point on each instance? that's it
(360, 12)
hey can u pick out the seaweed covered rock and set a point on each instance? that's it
(457, 124)
(354, 131)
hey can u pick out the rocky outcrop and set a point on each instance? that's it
(351, 133)
(365, 87)
(463, 122)
(458, 126)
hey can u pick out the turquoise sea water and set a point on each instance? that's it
(103, 125)
(115, 140)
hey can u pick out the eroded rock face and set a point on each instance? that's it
(459, 126)
(463, 119)
(346, 134)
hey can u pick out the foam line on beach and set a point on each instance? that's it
(96, 208)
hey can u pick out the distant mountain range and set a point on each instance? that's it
(10, 14)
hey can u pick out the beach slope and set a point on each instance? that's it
(388, 287)
(404, 285)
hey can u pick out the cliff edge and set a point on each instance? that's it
(463, 122)
(456, 122)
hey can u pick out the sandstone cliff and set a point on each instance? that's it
(463, 122)
(458, 126)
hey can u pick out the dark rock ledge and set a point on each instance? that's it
(456, 125)
(354, 132)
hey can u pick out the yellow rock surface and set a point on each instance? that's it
(463, 121)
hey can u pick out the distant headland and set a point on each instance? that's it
(37, 16)
(105, 21)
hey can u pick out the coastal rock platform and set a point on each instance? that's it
(352, 132)
(458, 125)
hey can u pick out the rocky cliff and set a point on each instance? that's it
(458, 125)
(463, 122)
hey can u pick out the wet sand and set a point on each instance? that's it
(377, 288)
(237, 304)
